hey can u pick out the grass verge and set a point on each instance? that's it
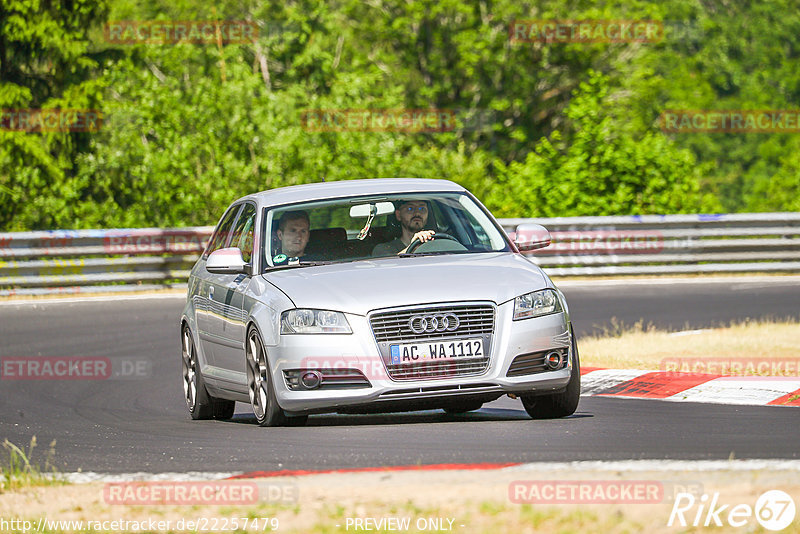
(645, 347)
(17, 471)
(455, 502)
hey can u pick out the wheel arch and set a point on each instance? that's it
(273, 367)
(267, 322)
(186, 322)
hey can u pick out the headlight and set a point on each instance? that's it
(314, 322)
(536, 304)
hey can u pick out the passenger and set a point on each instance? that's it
(412, 215)
(293, 234)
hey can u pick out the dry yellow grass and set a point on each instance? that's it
(648, 348)
(469, 502)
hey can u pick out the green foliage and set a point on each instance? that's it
(739, 55)
(573, 129)
(782, 191)
(602, 171)
(45, 62)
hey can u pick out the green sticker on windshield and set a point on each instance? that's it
(279, 258)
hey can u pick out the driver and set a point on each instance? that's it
(412, 215)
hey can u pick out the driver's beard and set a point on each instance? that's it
(411, 224)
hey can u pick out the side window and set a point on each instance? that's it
(244, 230)
(220, 236)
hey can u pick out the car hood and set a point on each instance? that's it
(362, 286)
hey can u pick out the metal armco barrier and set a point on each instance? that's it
(668, 244)
(83, 261)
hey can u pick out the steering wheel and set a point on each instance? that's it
(415, 243)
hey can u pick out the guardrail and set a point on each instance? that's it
(81, 261)
(668, 244)
(84, 261)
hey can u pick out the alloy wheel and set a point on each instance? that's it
(189, 362)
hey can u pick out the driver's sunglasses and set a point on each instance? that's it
(411, 209)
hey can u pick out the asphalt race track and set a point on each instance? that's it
(141, 424)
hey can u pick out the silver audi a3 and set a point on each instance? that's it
(372, 296)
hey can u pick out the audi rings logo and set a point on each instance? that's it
(421, 324)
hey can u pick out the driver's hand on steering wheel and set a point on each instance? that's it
(422, 235)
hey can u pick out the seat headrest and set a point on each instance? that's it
(326, 241)
(327, 235)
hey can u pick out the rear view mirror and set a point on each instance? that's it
(531, 237)
(226, 261)
(365, 210)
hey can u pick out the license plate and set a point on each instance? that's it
(435, 350)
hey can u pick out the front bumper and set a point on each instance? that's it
(360, 351)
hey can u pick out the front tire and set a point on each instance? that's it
(200, 403)
(260, 387)
(559, 404)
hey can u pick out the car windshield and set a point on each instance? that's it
(368, 227)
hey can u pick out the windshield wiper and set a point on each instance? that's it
(300, 264)
(432, 253)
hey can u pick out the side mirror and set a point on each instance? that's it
(531, 237)
(226, 261)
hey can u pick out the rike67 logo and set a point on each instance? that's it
(774, 510)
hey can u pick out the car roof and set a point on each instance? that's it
(344, 188)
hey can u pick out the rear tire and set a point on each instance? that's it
(559, 404)
(200, 403)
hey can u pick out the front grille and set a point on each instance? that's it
(392, 326)
(532, 363)
(441, 390)
(438, 369)
(475, 321)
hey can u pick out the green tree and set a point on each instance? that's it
(601, 171)
(46, 61)
(572, 126)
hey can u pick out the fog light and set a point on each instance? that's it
(311, 379)
(553, 360)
